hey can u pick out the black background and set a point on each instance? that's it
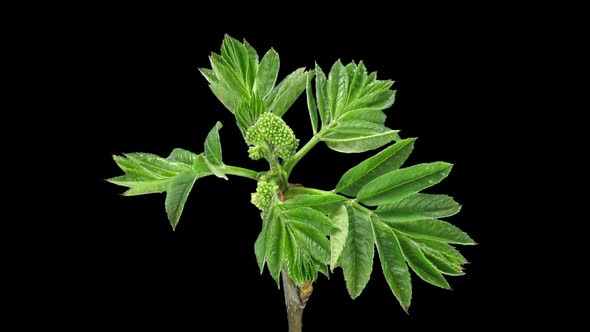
(143, 93)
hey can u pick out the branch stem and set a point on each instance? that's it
(293, 304)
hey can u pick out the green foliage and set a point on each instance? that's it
(376, 204)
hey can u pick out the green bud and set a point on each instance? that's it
(270, 130)
(264, 195)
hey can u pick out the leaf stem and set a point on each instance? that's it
(239, 171)
(301, 153)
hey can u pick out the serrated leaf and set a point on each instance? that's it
(229, 77)
(178, 191)
(252, 64)
(357, 81)
(314, 240)
(260, 245)
(139, 186)
(359, 136)
(419, 206)
(356, 259)
(311, 103)
(322, 96)
(275, 246)
(442, 264)
(311, 217)
(393, 264)
(300, 267)
(312, 200)
(248, 112)
(401, 183)
(284, 95)
(374, 116)
(134, 169)
(228, 98)
(449, 252)
(337, 88)
(385, 161)
(156, 164)
(183, 156)
(436, 230)
(213, 146)
(418, 262)
(237, 57)
(268, 71)
(338, 239)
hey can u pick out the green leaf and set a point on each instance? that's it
(358, 136)
(357, 81)
(356, 259)
(252, 64)
(442, 264)
(267, 73)
(312, 201)
(337, 88)
(385, 161)
(156, 164)
(299, 265)
(449, 252)
(393, 264)
(316, 243)
(401, 183)
(178, 191)
(248, 112)
(236, 55)
(228, 98)
(228, 77)
(311, 217)
(275, 246)
(322, 96)
(134, 169)
(420, 264)
(419, 206)
(260, 245)
(213, 146)
(338, 239)
(436, 230)
(284, 95)
(183, 156)
(311, 104)
(140, 186)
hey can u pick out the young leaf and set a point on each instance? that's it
(140, 186)
(314, 241)
(442, 264)
(337, 88)
(134, 169)
(284, 95)
(311, 217)
(419, 206)
(183, 156)
(178, 191)
(260, 245)
(393, 264)
(322, 96)
(356, 259)
(267, 73)
(311, 104)
(385, 161)
(313, 201)
(401, 183)
(436, 230)
(423, 268)
(338, 239)
(449, 252)
(300, 266)
(357, 136)
(156, 164)
(213, 146)
(275, 246)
